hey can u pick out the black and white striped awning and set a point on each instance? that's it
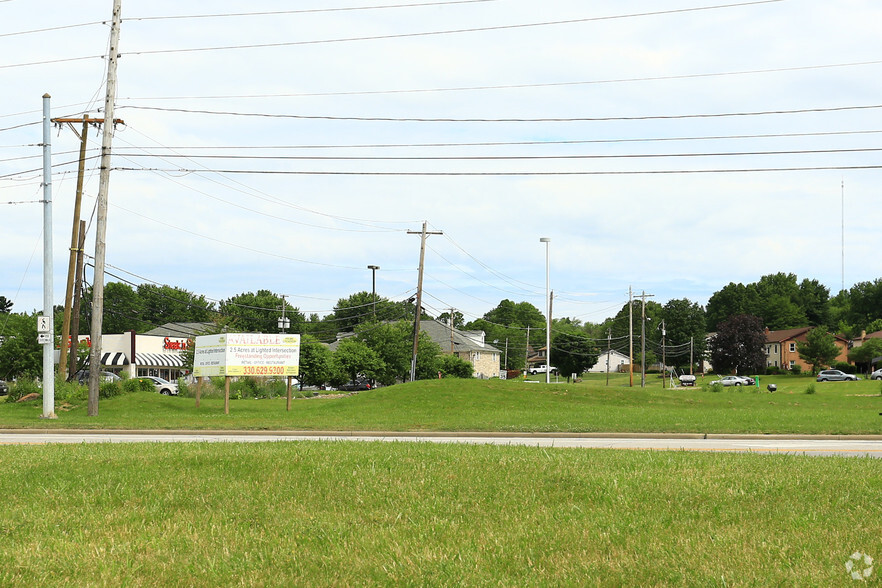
(114, 358)
(159, 359)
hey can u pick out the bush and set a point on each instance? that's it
(454, 367)
(136, 385)
(844, 366)
(796, 369)
(110, 389)
(810, 389)
(21, 388)
(716, 388)
(772, 370)
(70, 391)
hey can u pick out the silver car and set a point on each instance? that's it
(835, 376)
(734, 381)
(162, 386)
(877, 375)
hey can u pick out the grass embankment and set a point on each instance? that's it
(507, 406)
(341, 514)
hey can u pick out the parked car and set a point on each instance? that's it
(735, 381)
(4, 388)
(83, 377)
(877, 375)
(355, 385)
(162, 386)
(687, 380)
(835, 376)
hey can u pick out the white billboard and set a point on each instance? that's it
(247, 354)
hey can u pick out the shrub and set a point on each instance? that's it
(70, 391)
(844, 366)
(772, 370)
(716, 388)
(810, 389)
(136, 385)
(109, 389)
(21, 388)
(454, 367)
(796, 369)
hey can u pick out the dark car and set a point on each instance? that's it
(355, 386)
(4, 388)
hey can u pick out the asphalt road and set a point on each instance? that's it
(869, 446)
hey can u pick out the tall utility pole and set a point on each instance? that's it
(630, 337)
(664, 361)
(643, 296)
(77, 295)
(547, 242)
(608, 346)
(374, 269)
(450, 322)
(527, 353)
(101, 220)
(46, 332)
(419, 296)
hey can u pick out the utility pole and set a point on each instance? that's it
(419, 296)
(643, 296)
(608, 345)
(630, 337)
(450, 321)
(664, 361)
(101, 221)
(691, 345)
(527, 353)
(77, 296)
(46, 327)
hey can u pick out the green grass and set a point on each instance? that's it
(342, 514)
(506, 406)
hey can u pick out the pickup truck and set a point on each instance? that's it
(541, 369)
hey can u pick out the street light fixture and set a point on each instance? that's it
(374, 269)
(547, 242)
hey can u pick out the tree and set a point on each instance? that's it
(20, 354)
(739, 345)
(866, 353)
(454, 367)
(818, 349)
(814, 298)
(315, 362)
(393, 342)
(458, 319)
(258, 312)
(573, 353)
(168, 304)
(122, 309)
(353, 358)
(5, 305)
(732, 299)
(685, 323)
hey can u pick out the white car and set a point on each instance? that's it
(734, 381)
(162, 386)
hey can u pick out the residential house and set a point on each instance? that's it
(615, 359)
(467, 345)
(782, 348)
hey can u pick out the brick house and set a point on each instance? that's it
(782, 350)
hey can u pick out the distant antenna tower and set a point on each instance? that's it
(843, 235)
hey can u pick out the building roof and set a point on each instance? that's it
(785, 334)
(463, 341)
(180, 329)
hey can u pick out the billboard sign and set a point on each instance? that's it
(247, 354)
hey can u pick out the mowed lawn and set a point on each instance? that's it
(507, 406)
(362, 514)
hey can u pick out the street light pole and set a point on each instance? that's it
(374, 269)
(547, 242)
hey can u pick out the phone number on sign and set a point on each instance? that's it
(263, 370)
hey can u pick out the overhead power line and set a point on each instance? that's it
(511, 120)
(452, 31)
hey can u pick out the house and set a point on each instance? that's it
(615, 360)
(467, 345)
(782, 349)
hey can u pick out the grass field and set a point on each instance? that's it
(350, 514)
(494, 405)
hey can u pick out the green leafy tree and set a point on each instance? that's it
(573, 353)
(458, 319)
(168, 304)
(818, 350)
(739, 345)
(685, 322)
(5, 305)
(353, 358)
(732, 299)
(393, 342)
(814, 298)
(451, 366)
(122, 309)
(427, 358)
(315, 362)
(866, 353)
(258, 312)
(20, 354)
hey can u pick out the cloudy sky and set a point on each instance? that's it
(672, 146)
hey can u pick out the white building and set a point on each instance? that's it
(615, 360)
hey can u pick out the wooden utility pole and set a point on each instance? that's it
(74, 332)
(451, 330)
(643, 296)
(419, 296)
(101, 221)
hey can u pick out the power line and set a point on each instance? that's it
(449, 32)
(510, 120)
